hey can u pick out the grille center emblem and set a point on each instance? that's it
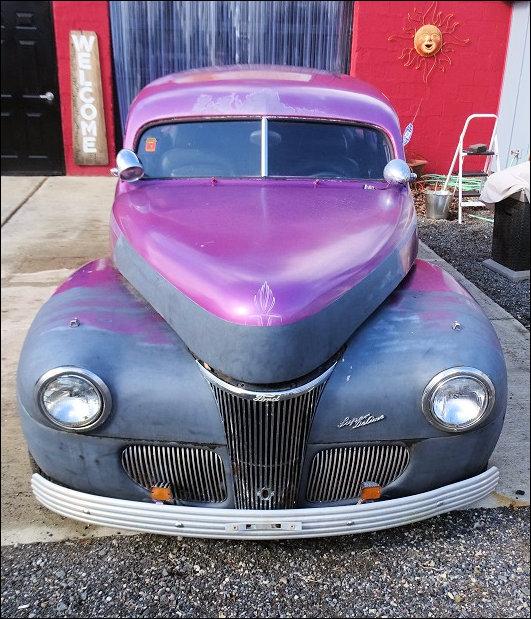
(358, 422)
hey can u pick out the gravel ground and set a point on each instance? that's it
(465, 246)
(465, 564)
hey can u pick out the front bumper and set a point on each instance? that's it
(263, 524)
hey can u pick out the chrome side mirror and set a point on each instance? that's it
(397, 172)
(128, 166)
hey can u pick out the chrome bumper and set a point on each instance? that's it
(262, 524)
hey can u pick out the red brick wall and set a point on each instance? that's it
(472, 84)
(92, 16)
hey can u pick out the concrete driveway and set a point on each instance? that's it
(51, 227)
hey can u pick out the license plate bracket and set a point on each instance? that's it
(240, 527)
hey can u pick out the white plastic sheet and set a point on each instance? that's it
(151, 39)
(505, 183)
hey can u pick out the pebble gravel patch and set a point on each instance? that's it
(465, 246)
(463, 564)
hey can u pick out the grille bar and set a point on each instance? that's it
(337, 474)
(266, 436)
(195, 475)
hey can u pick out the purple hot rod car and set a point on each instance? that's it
(263, 356)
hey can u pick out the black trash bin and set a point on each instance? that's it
(510, 238)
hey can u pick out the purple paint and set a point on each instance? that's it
(219, 244)
(262, 91)
(102, 299)
(96, 273)
(223, 242)
(429, 278)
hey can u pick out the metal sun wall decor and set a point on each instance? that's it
(431, 34)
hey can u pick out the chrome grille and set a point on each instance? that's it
(337, 474)
(194, 475)
(266, 436)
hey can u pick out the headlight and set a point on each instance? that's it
(73, 399)
(458, 399)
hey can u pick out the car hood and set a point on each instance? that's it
(262, 252)
(240, 249)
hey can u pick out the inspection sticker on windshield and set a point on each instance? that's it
(151, 145)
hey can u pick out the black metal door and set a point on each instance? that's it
(32, 141)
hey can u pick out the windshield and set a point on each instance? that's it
(244, 148)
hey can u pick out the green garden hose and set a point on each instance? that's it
(491, 221)
(468, 183)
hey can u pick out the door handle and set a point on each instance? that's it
(48, 96)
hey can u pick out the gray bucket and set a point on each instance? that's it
(438, 203)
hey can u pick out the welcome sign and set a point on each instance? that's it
(88, 121)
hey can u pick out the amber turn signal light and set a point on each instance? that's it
(161, 493)
(370, 491)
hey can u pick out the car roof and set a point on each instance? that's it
(261, 90)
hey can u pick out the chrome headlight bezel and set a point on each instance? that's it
(95, 381)
(443, 378)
